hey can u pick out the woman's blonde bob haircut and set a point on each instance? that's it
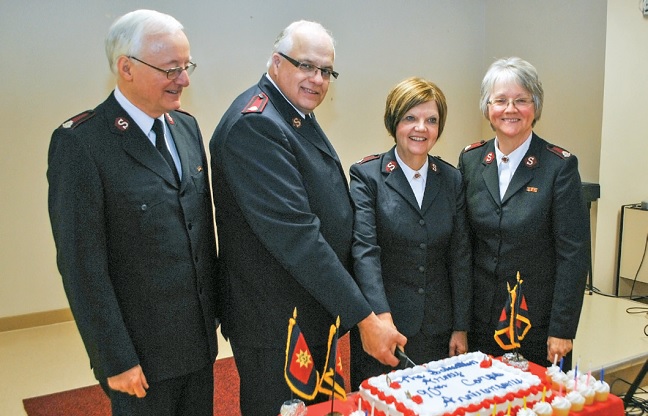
(408, 94)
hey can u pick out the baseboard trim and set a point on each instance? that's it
(30, 320)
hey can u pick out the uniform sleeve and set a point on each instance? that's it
(77, 217)
(460, 266)
(366, 251)
(265, 179)
(571, 229)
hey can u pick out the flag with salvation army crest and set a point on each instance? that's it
(514, 322)
(332, 382)
(299, 369)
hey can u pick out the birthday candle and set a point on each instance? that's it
(508, 412)
(555, 359)
(524, 401)
(372, 409)
(544, 392)
(494, 409)
(561, 362)
(359, 403)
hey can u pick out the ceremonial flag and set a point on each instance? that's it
(332, 382)
(299, 369)
(514, 322)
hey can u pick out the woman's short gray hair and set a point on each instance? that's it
(514, 70)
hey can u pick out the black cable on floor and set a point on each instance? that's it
(638, 404)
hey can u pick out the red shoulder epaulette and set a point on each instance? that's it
(180, 110)
(562, 153)
(368, 158)
(78, 119)
(474, 146)
(256, 104)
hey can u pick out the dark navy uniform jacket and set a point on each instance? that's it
(410, 261)
(284, 219)
(540, 228)
(137, 252)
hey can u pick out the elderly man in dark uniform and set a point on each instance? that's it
(133, 227)
(284, 219)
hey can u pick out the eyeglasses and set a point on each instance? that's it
(502, 103)
(310, 69)
(172, 73)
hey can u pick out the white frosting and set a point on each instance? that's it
(447, 385)
(571, 374)
(601, 387)
(526, 412)
(586, 391)
(543, 408)
(554, 369)
(580, 383)
(575, 397)
(559, 378)
(560, 402)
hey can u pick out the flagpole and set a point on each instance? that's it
(337, 337)
(515, 314)
(518, 299)
(337, 333)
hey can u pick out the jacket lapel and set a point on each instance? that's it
(135, 142)
(489, 172)
(432, 184)
(181, 138)
(395, 178)
(525, 171)
(307, 128)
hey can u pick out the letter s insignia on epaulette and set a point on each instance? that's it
(78, 119)
(256, 104)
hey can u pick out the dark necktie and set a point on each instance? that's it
(161, 146)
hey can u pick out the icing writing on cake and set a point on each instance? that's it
(450, 385)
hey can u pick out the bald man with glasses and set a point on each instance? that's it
(285, 222)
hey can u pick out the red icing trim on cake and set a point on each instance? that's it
(486, 363)
(502, 402)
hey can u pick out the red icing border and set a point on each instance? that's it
(474, 407)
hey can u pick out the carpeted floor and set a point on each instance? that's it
(91, 401)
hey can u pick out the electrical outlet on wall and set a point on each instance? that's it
(644, 7)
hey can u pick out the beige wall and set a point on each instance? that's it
(55, 68)
(624, 139)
